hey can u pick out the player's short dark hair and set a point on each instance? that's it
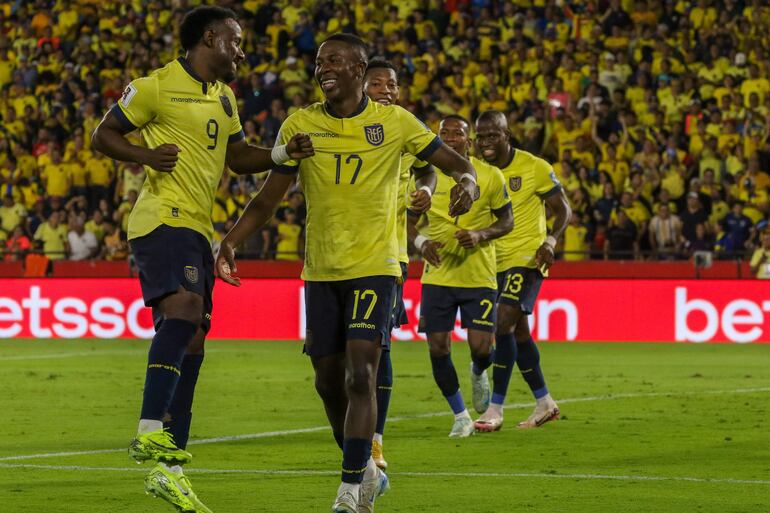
(492, 116)
(353, 41)
(456, 117)
(381, 64)
(197, 21)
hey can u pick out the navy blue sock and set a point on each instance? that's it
(384, 389)
(339, 438)
(528, 361)
(180, 410)
(505, 356)
(446, 378)
(355, 454)
(164, 366)
(482, 364)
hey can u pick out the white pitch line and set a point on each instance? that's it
(55, 356)
(288, 432)
(308, 473)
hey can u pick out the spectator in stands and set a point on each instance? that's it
(115, 242)
(289, 239)
(665, 233)
(17, 245)
(703, 240)
(51, 236)
(622, 239)
(12, 214)
(760, 260)
(82, 243)
(737, 227)
(575, 240)
(692, 215)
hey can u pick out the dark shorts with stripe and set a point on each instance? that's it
(519, 287)
(338, 311)
(439, 304)
(169, 258)
(399, 317)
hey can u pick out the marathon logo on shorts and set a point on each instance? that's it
(375, 134)
(514, 183)
(226, 105)
(191, 273)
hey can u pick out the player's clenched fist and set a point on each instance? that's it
(461, 197)
(300, 146)
(420, 201)
(163, 158)
(468, 238)
(429, 252)
(544, 257)
(226, 264)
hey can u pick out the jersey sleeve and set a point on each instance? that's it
(499, 199)
(287, 131)
(138, 105)
(417, 138)
(420, 165)
(236, 130)
(546, 183)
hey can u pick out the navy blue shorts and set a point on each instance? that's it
(398, 316)
(439, 304)
(519, 287)
(169, 258)
(338, 311)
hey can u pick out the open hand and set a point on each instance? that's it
(226, 264)
(544, 257)
(430, 252)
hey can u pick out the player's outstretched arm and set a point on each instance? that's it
(244, 158)
(461, 170)
(258, 212)
(559, 205)
(109, 138)
(425, 186)
(502, 225)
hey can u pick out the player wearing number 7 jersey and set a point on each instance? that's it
(351, 253)
(460, 273)
(189, 123)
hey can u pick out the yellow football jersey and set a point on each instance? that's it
(460, 267)
(529, 180)
(408, 161)
(351, 186)
(174, 106)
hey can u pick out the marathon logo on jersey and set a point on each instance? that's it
(128, 94)
(514, 183)
(375, 134)
(226, 105)
(191, 273)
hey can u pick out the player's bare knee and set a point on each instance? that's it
(507, 318)
(521, 331)
(439, 348)
(184, 305)
(360, 380)
(196, 345)
(480, 345)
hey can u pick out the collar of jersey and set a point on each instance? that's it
(190, 71)
(359, 109)
(513, 156)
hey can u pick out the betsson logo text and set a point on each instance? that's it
(71, 317)
(741, 319)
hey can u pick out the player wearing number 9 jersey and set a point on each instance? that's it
(351, 253)
(523, 258)
(189, 124)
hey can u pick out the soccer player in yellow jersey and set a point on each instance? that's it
(351, 252)
(460, 272)
(381, 85)
(523, 259)
(187, 117)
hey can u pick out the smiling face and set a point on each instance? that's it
(381, 85)
(455, 133)
(225, 42)
(339, 70)
(492, 138)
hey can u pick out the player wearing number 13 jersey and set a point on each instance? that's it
(351, 253)
(523, 258)
(189, 124)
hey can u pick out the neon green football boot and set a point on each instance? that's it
(159, 446)
(173, 488)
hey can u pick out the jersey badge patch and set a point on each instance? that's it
(375, 134)
(226, 105)
(128, 94)
(514, 183)
(191, 273)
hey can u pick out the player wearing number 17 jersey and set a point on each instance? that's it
(189, 124)
(351, 253)
(523, 259)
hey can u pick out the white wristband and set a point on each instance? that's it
(426, 189)
(469, 177)
(551, 241)
(419, 241)
(279, 154)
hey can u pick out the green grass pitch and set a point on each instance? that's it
(646, 428)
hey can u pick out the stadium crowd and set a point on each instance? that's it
(655, 114)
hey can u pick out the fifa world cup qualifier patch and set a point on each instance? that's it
(226, 105)
(191, 273)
